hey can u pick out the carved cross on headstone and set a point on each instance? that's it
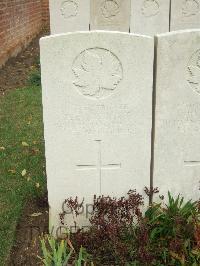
(99, 166)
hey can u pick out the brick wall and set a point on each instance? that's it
(45, 14)
(20, 21)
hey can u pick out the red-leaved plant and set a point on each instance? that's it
(121, 235)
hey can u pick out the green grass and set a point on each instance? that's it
(20, 123)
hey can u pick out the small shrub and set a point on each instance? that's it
(61, 253)
(35, 78)
(83, 257)
(120, 235)
(111, 221)
(170, 234)
(55, 252)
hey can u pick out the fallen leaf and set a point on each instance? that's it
(178, 257)
(25, 144)
(36, 214)
(70, 244)
(12, 171)
(24, 172)
(35, 151)
(28, 179)
(2, 148)
(37, 185)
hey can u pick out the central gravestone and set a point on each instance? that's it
(97, 100)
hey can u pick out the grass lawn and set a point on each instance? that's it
(22, 170)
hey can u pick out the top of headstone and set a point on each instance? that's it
(63, 35)
(69, 15)
(187, 31)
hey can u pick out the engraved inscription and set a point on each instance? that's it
(99, 166)
(110, 8)
(193, 71)
(97, 119)
(69, 9)
(150, 8)
(186, 118)
(98, 72)
(190, 8)
(190, 112)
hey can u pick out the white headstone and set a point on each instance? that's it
(97, 100)
(185, 14)
(69, 15)
(177, 124)
(110, 15)
(150, 17)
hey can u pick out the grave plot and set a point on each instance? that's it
(177, 118)
(97, 99)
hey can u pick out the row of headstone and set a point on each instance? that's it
(147, 17)
(97, 101)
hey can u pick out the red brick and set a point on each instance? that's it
(20, 21)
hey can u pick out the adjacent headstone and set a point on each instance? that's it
(69, 15)
(97, 100)
(150, 17)
(177, 124)
(110, 15)
(185, 14)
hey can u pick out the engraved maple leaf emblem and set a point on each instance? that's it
(150, 8)
(190, 8)
(110, 8)
(194, 78)
(194, 72)
(97, 72)
(69, 9)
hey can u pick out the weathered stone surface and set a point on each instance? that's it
(185, 14)
(150, 17)
(177, 125)
(97, 100)
(69, 15)
(110, 15)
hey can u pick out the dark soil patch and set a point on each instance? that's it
(33, 224)
(16, 71)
